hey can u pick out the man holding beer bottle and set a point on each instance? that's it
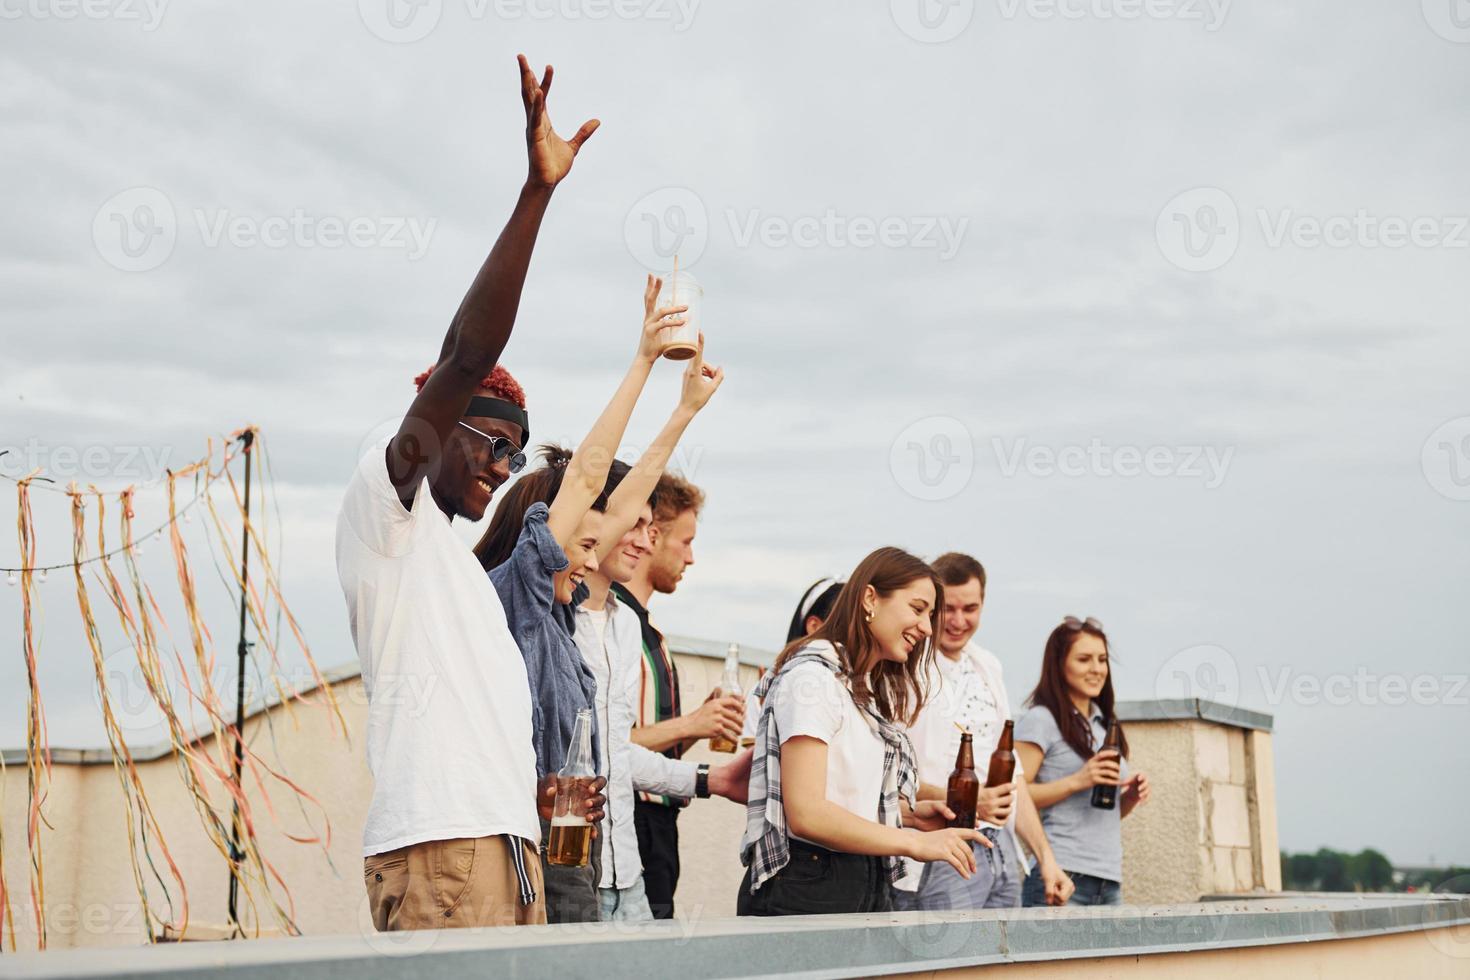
(968, 710)
(452, 830)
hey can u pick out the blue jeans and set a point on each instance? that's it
(1091, 890)
(996, 883)
(625, 904)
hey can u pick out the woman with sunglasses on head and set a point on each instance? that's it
(811, 612)
(1058, 739)
(833, 780)
(548, 533)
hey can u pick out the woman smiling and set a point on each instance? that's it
(1057, 739)
(833, 780)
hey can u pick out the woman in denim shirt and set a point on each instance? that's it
(1066, 720)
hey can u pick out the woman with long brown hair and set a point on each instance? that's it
(1058, 739)
(833, 780)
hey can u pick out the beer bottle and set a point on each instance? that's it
(1002, 761)
(729, 684)
(963, 795)
(1105, 797)
(571, 834)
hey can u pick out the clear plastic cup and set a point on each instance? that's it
(681, 288)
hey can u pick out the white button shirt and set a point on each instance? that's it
(971, 693)
(611, 641)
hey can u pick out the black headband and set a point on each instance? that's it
(499, 408)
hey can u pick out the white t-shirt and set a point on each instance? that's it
(811, 700)
(449, 706)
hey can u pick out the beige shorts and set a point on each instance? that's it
(448, 884)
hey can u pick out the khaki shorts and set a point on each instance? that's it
(448, 884)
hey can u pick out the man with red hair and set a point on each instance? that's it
(452, 828)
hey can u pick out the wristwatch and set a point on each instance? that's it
(701, 781)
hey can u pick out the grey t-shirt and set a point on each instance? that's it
(1084, 839)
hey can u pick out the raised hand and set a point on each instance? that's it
(701, 381)
(550, 156)
(652, 342)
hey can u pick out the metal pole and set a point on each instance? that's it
(242, 651)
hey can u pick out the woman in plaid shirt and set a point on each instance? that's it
(833, 781)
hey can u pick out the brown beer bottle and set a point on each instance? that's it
(571, 834)
(1105, 797)
(1002, 760)
(963, 795)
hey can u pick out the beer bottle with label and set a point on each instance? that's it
(571, 834)
(963, 795)
(1002, 761)
(1105, 797)
(729, 685)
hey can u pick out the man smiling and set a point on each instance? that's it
(452, 826)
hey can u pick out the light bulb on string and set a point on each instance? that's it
(41, 576)
(10, 578)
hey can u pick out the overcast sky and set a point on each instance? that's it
(1160, 311)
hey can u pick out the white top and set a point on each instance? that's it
(611, 641)
(813, 701)
(449, 706)
(969, 692)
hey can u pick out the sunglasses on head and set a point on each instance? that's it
(501, 448)
(1073, 623)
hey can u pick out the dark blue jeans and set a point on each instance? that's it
(1091, 890)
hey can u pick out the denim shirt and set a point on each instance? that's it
(561, 682)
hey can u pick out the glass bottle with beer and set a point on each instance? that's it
(963, 793)
(571, 835)
(729, 686)
(1104, 796)
(1002, 761)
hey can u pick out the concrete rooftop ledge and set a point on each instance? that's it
(1192, 709)
(809, 946)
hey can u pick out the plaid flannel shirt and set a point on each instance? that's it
(766, 847)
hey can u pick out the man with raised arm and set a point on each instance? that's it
(452, 829)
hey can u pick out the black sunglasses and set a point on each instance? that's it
(501, 448)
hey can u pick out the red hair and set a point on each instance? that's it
(499, 383)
